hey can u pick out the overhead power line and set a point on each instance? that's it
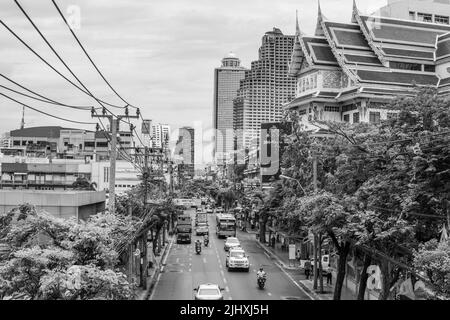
(47, 99)
(88, 56)
(45, 113)
(54, 69)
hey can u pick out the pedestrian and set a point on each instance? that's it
(329, 276)
(298, 255)
(273, 241)
(307, 267)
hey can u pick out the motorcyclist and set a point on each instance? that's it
(261, 273)
(206, 239)
(198, 246)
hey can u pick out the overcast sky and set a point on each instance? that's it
(158, 54)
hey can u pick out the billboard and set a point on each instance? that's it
(271, 148)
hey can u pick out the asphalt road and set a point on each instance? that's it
(184, 270)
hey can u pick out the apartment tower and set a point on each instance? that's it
(264, 90)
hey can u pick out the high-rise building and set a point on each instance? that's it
(432, 11)
(226, 83)
(184, 150)
(265, 88)
(160, 136)
(146, 131)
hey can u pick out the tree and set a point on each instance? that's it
(83, 183)
(45, 248)
(433, 259)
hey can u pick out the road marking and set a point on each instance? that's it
(224, 280)
(230, 298)
(154, 288)
(269, 294)
(266, 254)
(295, 282)
(204, 260)
(227, 289)
(223, 274)
(178, 260)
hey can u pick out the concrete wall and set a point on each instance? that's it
(66, 204)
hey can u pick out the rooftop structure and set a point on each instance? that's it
(349, 71)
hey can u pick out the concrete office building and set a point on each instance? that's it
(65, 143)
(61, 204)
(432, 11)
(226, 84)
(184, 151)
(160, 135)
(265, 88)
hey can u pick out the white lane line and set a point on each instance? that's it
(222, 273)
(227, 289)
(224, 280)
(204, 260)
(269, 294)
(178, 260)
(295, 282)
(230, 298)
(153, 293)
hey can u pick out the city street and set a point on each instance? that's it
(184, 270)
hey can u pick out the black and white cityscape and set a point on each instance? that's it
(247, 150)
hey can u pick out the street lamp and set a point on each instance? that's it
(290, 178)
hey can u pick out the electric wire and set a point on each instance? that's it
(53, 68)
(88, 56)
(48, 100)
(45, 113)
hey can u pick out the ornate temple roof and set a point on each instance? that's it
(382, 56)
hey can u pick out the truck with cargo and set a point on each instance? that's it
(184, 229)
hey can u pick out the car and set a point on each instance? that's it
(208, 291)
(237, 259)
(199, 210)
(231, 242)
(209, 210)
(202, 229)
(219, 210)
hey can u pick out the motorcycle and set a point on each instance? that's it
(198, 249)
(206, 242)
(261, 282)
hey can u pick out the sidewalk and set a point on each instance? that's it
(154, 271)
(282, 257)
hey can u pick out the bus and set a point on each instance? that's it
(225, 226)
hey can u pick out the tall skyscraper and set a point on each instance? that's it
(265, 88)
(184, 150)
(226, 83)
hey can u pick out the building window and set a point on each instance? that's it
(374, 117)
(429, 68)
(392, 115)
(356, 117)
(405, 66)
(425, 17)
(412, 15)
(346, 118)
(102, 144)
(332, 109)
(16, 143)
(349, 107)
(441, 19)
(106, 174)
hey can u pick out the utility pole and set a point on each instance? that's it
(315, 235)
(114, 125)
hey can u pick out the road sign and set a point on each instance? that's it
(292, 252)
(137, 253)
